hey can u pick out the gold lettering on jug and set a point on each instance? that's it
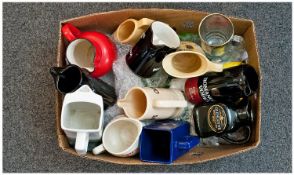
(217, 119)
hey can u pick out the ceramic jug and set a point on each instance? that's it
(68, 79)
(188, 64)
(219, 120)
(89, 46)
(131, 30)
(144, 59)
(229, 87)
(82, 118)
(153, 103)
(164, 141)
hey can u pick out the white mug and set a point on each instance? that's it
(82, 117)
(121, 137)
(81, 52)
(152, 103)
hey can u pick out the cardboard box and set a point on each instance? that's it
(182, 21)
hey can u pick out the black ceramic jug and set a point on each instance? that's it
(145, 58)
(230, 86)
(219, 120)
(71, 77)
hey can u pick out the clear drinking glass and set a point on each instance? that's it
(218, 41)
(216, 30)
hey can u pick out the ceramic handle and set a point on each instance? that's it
(145, 22)
(170, 103)
(184, 145)
(70, 32)
(215, 67)
(99, 149)
(240, 141)
(188, 142)
(82, 141)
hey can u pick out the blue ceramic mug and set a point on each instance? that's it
(166, 140)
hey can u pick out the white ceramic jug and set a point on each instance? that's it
(82, 117)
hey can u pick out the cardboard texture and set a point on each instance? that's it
(181, 20)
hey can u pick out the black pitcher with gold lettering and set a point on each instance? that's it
(220, 120)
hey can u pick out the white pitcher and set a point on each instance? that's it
(82, 117)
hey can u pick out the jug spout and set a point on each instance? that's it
(121, 103)
(56, 72)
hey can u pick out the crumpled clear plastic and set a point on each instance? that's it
(123, 75)
(160, 80)
(209, 141)
(233, 51)
(122, 79)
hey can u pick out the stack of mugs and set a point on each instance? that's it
(216, 79)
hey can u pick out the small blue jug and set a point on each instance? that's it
(166, 140)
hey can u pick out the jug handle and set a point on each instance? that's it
(145, 22)
(241, 141)
(188, 142)
(98, 149)
(215, 67)
(170, 104)
(70, 32)
(82, 141)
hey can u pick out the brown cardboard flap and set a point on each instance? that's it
(251, 47)
(181, 20)
(62, 141)
(188, 20)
